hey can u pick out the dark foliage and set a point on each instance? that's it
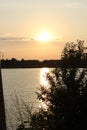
(65, 96)
(66, 100)
(74, 55)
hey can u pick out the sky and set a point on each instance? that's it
(22, 21)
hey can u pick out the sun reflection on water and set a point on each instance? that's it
(43, 80)
(44, 83)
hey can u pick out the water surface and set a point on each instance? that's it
(22, 83)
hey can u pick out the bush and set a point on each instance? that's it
(65, 97)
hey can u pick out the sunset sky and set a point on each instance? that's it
(39, 29)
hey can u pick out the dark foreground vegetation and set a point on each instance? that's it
(73, 55)
(65, 97)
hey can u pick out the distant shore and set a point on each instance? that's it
(14, 63)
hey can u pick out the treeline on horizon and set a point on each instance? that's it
(14, 63)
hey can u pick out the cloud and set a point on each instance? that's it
(14, 39)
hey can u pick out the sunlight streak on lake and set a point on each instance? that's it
(43, 79)
(44, 83)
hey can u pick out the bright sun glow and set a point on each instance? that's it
(44, 36)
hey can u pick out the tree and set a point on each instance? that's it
(73, 53)
(65, 96)
(72, 50)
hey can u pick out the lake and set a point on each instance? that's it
(21, 84)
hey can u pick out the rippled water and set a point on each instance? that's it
(21, 83)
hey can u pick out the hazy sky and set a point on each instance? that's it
(22, 20)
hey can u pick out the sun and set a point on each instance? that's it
(44, 36)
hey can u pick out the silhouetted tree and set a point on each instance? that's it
(73, 53)
(65, 96)
(73, 50)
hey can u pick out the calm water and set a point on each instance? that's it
(22, 83)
